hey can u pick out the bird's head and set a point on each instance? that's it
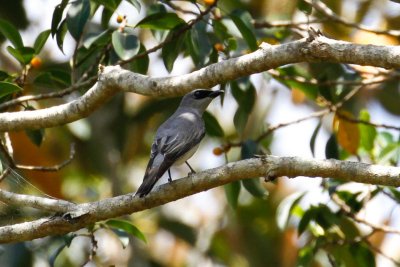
(199, 99)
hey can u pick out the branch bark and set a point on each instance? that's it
(78, 216)
(113, 79)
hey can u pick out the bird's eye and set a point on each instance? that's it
(198, 94)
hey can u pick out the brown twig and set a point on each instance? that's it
(286, 23)
(58, 94)
(326, 11)
(50, 168)
(373, 124)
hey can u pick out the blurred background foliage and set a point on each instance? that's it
(248, 223)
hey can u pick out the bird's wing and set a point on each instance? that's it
(169, 145)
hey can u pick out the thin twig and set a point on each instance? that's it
(377, 125)
(326, 11)
(286, 23)
(50, 168)
(58, 94)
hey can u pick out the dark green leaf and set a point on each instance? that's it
(254, 187)
(126, 44)
(314, 137)
(36, 136)
(331, 148)
(240, 119)
(3, 75)
(171, 50)
(212, 126)
(23, 54)
(232, 191)
(11, 33)
(363, 255)
(306, 256)
(57, 16)
(141, 64)
(304, 7)
(126, 227)
(77, 16)
(242, 21)
(60, 35)
(97, 39)
(161, 21)
(136, 4)
(220, 30)
(7, 88)
(41, 40)
(54, 255)
(111, 5)
(53, 78)
(105, 17)
(180, 230)
(368, 132)
(191, 42)
(351, 200)
(249, 149)
(244, 93)
(305, 220)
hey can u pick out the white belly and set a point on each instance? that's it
(187, 156)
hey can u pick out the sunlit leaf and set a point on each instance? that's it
(304, 7)
(41, 40)
(368, 133)
(23, 54)
(161, 21)
(348, 133)
(11, 33)
(126, 227)
(78, 15)
(7, 88)
(126, 44)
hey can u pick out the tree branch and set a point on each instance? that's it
(81, 215)
(113, 79)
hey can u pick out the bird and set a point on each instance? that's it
(178, 138)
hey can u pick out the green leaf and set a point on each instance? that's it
(249, 149)
(304, 7)
(161, 21)
(41, 40)
(368, 132)
(171, 50)
(126, 227)
(244, 93)
(331, 148)
(286, 207)
(314, 137)
(179, 229)
(220, 30)
(53, 78)
(254, 187)
(136, 4)
(351, 200)
(23, 54)
(240, 119)
(36, 136)
(126, 44)
(141, 64)
(97, 39)
(11, 33)
(191, 42)
(57, 16)
(3, 75)
(232, 191)
(305, 220)
(212, 125)
(363, 255)
(105, 17)
(306, 256)
(77, 16)
(7, 88)
(60, 35)
(111, 5)
(242, 21)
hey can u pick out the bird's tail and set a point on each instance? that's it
(149, 180)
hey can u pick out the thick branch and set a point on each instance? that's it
(82, 215)
(113, 79)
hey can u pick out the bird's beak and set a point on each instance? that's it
(214, 94)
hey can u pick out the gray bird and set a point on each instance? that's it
(178, 138)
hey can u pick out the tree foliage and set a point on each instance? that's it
(255, 223)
